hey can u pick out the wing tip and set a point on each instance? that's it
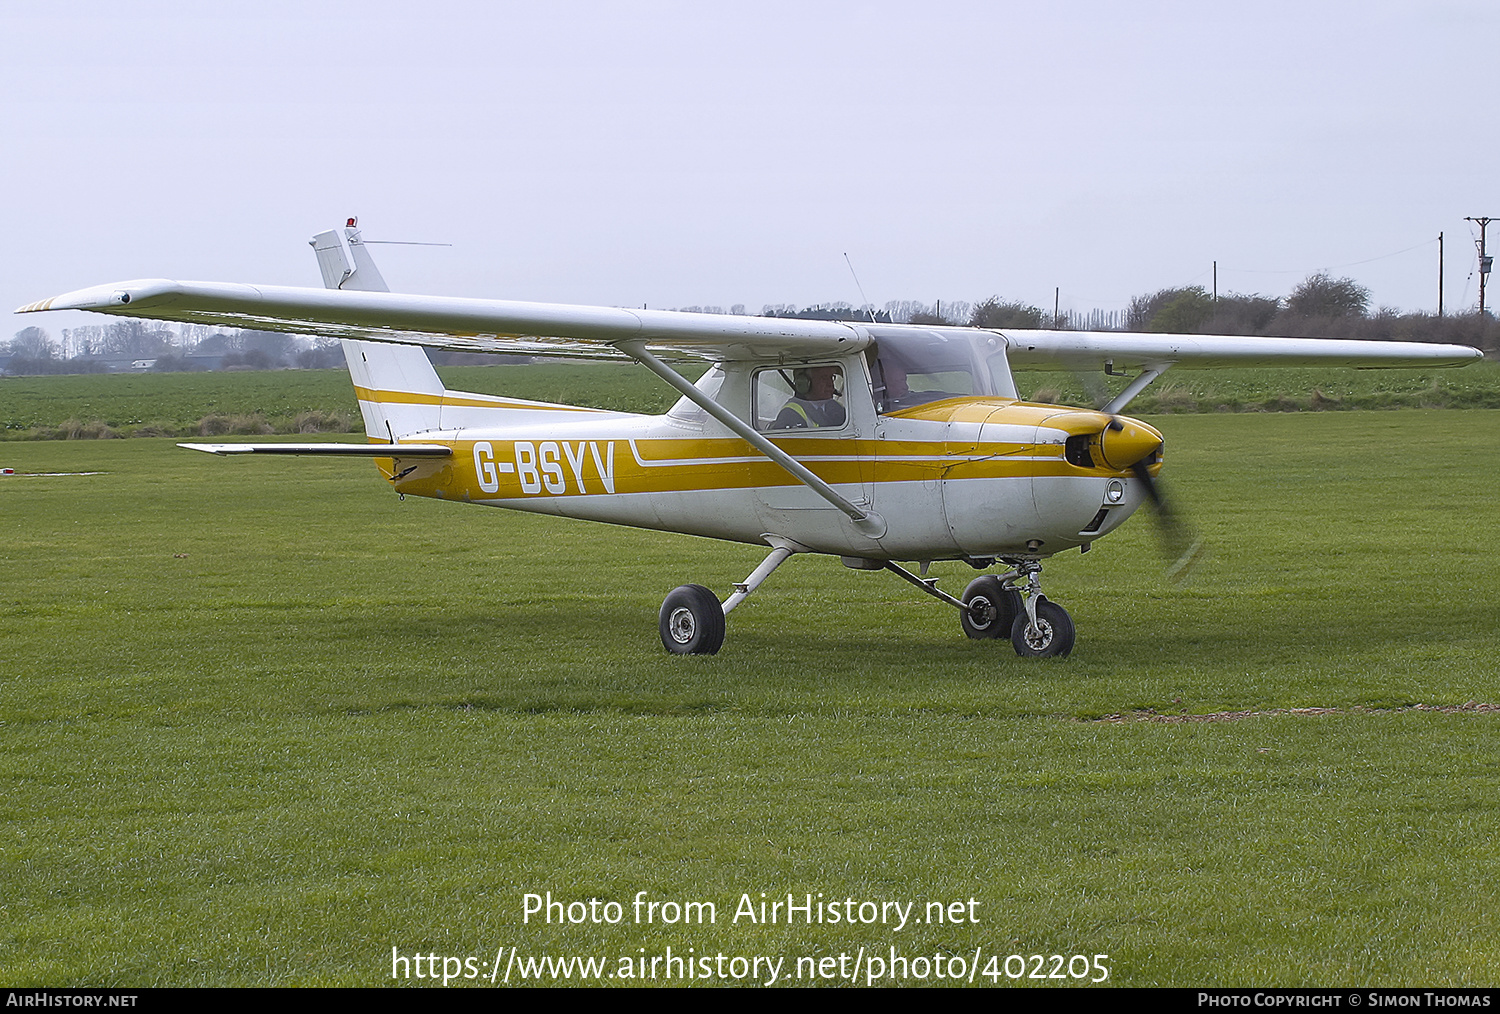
(110, 298)
(219, 448)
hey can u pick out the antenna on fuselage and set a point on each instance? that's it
(861, 288)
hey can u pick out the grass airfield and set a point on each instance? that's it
(262, 722)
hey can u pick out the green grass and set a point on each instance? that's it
(262, 722)
(174, 403)
(1318, 389)
(293, 401)
(284, 401)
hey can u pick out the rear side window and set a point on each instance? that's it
(688, 411)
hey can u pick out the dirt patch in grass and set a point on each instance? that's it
(1235, 716)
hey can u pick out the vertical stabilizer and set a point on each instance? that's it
(399, 392)
(366, 275)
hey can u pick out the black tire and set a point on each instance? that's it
(992, 608)
(1052, 637)
(692, 621)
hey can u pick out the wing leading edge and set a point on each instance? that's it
(1044, 350)
(490, 325)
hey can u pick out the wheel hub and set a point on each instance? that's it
(982, 612)
(1038, 635)
(681, 625)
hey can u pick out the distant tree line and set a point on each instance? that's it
(827, 311)
(100, 348)
(1321, 306)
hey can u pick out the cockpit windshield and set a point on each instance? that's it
(911, 367)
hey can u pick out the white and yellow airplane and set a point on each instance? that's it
(874, 443)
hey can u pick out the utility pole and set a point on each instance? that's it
(1216, 283)
(1484, 260)
(1440, 274)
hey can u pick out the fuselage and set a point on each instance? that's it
(967, 476)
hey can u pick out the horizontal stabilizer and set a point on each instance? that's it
(331, 450)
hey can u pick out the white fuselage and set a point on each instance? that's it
(971, 476)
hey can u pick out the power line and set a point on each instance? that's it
(1329, 267)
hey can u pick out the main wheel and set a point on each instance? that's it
(992, 608)
(692, 621)
(1052, 637)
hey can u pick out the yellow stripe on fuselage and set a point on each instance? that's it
(459, 399)
(500, 469)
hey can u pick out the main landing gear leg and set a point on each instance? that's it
(692, 620)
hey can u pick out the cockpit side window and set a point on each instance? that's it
(1003, 381)
(800, 398)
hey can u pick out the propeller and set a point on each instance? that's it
(1181, 545)
(1126, 444)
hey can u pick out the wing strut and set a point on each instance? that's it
(868, 523)
(1135, 387)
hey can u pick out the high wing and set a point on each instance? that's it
(463, 325)
(1050, 350)
(492, 325)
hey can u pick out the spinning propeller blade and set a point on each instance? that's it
(1180, 544)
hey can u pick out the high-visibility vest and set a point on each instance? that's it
(814, 413)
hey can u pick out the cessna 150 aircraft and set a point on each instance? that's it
(874, 443)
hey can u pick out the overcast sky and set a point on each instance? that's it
(688, 153)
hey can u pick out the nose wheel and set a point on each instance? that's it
(1048, 634)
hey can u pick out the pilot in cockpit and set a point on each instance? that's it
(816, 401)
